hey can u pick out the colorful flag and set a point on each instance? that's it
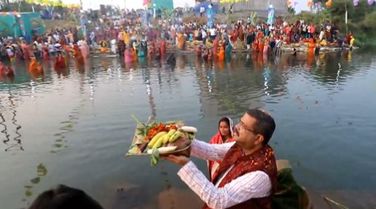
(310, 3)
(329, 3)
(289, 3)
(271, 12)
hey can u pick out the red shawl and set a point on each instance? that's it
(213, 165)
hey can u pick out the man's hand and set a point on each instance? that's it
(177, 159)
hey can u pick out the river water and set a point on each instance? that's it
(73, 127)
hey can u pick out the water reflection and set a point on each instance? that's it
(257, 76)
(168, 197)
(5, 129)
(62, 72)
(149, 92)
(338, 72)
(41, 171)
(267, 79)
(37, 76)
(66, 127)
(292, 86)
(15, 143)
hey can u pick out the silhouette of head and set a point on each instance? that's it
(64, 197)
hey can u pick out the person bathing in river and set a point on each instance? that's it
(223, 135)
(247, 174)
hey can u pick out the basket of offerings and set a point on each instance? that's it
(161, 138)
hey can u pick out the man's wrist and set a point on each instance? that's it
(185, 169)
(184, 161)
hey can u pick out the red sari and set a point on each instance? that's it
(213, 165)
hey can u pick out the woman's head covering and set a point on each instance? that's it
(229, 121)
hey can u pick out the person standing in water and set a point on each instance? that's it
(224, 135)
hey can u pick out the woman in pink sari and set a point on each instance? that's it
(224, 135)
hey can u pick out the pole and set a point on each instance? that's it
(154, 10)
(346, 16)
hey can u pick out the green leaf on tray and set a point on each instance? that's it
(154, 157)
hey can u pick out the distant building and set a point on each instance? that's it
(259, 6)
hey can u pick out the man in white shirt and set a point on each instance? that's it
(212, 33)
(203, 35)
(247, 174)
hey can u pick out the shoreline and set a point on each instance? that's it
(288, 49)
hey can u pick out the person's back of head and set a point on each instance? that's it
(64, 197)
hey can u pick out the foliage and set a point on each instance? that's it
(361, 19)
(71, 17)
(291, 10)
(53, 3)
(369, 22)
(26, 5)
(167, 13)
(199, 20)
(253, 18)
(53, 24)
(316, 18)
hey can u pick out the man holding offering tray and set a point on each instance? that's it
(247, 175)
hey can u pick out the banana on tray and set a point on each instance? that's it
(156, 139)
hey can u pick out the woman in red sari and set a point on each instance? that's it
(223, 135)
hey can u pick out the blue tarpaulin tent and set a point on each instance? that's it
(205, 5)
(163, 4)
(25, 24)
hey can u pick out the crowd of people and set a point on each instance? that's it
(242, 170)
(133, 34)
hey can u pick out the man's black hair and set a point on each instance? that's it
(265, 124)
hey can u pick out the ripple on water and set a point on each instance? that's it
(325, 125)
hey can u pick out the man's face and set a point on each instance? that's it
(244, 133)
